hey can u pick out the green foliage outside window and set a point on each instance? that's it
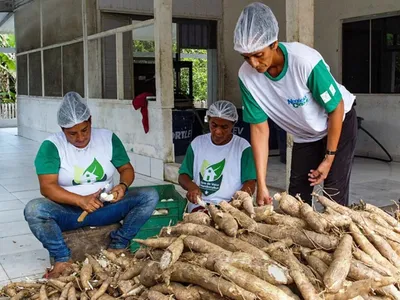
(199, 68)
(8, 70)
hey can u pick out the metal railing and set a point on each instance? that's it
(8, 111)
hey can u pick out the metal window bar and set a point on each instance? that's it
(119, 49)
(370, 59)
(118, 32)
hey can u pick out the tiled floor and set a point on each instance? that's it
(22, 256)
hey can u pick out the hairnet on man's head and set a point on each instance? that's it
(256, 28)
(72, 110)
(223, 109)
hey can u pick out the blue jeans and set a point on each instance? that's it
(48, 219)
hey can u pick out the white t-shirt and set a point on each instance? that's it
(299, 99)
(82, 171)
(219, 171)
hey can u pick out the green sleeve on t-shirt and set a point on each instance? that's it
(323, 87)
(252, 112)
(47, 159)
(187, 164)
(119, 155)
(247, 166)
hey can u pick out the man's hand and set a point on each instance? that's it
(319, 175)
(90, 203)
(193, 192)
(119, 192)
(263, 197)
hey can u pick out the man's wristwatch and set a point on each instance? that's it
(124, 184)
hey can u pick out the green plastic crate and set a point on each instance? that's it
(175, 213)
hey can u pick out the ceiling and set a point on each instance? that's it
(147, 33)
(11, 5)
(6, 22)
(7, 7)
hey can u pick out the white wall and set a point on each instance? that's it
(381, 112)
(37, 118)
(6, 123)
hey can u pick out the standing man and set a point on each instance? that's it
(291, 84)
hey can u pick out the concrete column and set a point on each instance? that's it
(119, 50)
(85, 51)
(299, 28)
(212, 76)
(41, 46)
(164, 75)
(306, 22)
(163, 52)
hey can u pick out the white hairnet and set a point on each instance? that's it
(72, 111)
(256, 28)
(223, 109)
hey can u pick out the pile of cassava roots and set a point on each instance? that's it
(238, 251)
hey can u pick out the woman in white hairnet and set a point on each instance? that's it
(219, 163)
(73, 167)
(291, 84)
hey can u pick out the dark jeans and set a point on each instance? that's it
(307, 156)
(48, 219)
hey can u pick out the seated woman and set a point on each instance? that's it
(219, 163)
(73, 167)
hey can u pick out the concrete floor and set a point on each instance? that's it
(22, 257)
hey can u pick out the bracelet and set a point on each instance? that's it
(328, 152)
(124, 184)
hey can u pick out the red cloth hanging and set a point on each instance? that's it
(140, 102)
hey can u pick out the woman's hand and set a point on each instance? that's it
(263, 197)
(317, 176)
(91, 202)
(193, 193)
(193, 190)
(118, 191)
(259, 142)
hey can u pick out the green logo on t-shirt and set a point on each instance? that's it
(211, 177)
(93, 173)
